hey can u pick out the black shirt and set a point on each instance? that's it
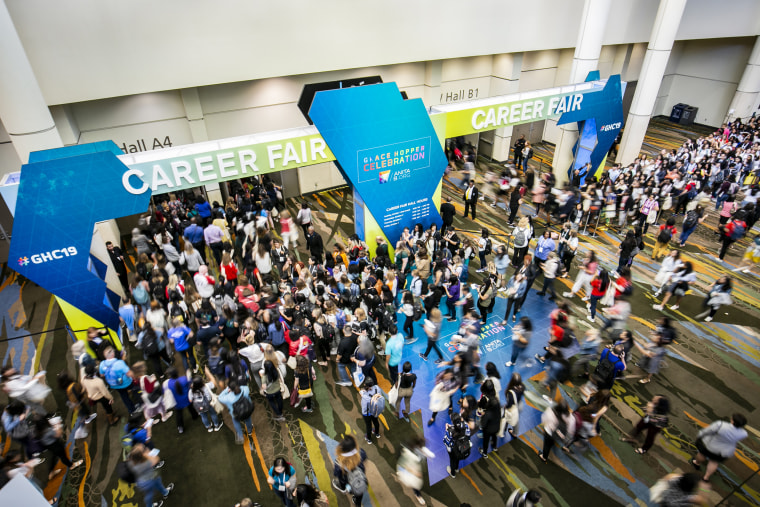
(447, 212)
(346, 348)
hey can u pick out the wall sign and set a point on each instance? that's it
(387, 149)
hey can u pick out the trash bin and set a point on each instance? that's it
(676, 112)
(688, 115)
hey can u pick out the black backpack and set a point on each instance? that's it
(124, 473)
(604, 373)
(150, 344)
(417, 311)
(176, 312)
(489, 247)
(665, 234)
(462, 445)
(242, 408)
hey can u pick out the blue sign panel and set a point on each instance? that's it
(599, 122)
(62, 194)
(387, 149)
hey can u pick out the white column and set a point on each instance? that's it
(23, 109)
(505, 79)
(747, 96)
(652, 71)
(586, 59)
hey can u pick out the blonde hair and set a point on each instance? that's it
(226, 258)
(436, 315)
(523, 222)
(360, 314)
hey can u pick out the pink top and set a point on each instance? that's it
(728, 207)
(285, 224)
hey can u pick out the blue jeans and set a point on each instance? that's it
(344, 377)
(239, 428)
(188, 358)
(719, 201)
(594, 300)
(686, 233)
(150, 487)
(213, 416)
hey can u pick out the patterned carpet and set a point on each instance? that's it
(712, 370)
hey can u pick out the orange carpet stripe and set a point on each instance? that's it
(7, 446)
(258, 450)
(249, 459)
(610, 458)
(87, 464)
(471, 481)
(700, 423)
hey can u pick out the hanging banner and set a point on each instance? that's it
(387, 149)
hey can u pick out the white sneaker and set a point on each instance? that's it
(501, 289)
(590, 318)
(90, 418)
(708, 319)
(587, 298)
(674, 307)
(509, 364)
(567, 294)
(657, 293)
(657, 307)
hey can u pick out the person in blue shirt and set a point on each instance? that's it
(194, 234)
(544, 247)
(394, 349)
(181, 336)
(127, 317)
(282, 478)
(119, 377)
(276, 332)
(204, 209)
(228, 397)
(369, 389)
(180, 388)
(516, 288)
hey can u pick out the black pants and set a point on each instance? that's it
(724, 247)
(409, 326)
(567, 260)
(59, 451)
(432, 345)
(513, 214)
(369, 422)
(652, 432)
(453, 463)
(446, 225)
(510, 301)
(324, 347)
(489, 439)
(518, 256)
(548, 444)
(201, 247)
(393, 371)
(178, 413)
(104, 402)
(549, 287)
(217, 249)
(470, 206)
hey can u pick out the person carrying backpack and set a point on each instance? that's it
(559, 424)
(373, 404)
(732, 232)
(120, 378)
(664, 236)
(457, 442)
(349, 470)
(611, 365)
(238, 401)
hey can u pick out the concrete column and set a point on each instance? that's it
(656, 59)
(505, 79)
(586, 59)
(433, 76)
(23, 109)
(747, 96)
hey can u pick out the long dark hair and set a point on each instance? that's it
(515, 383)
(270, 370)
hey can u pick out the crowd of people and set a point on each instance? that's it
(222, 304)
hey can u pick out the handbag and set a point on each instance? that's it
(169, 399)
(439, 400)
(510, 416)
(293, 398)
(393, 395)
(358, 377)
(292, 362)
(284, 390)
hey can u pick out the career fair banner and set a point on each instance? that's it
(387, 149)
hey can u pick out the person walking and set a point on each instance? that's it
(120, 378)
(680, 281)
(349, 471)
(559, 424)
(432, 328)
(282, 479)
(201, 399)
(372, 405)
(585, 275)
(407, 381)
(521, 334)
(304, 382)
(486, 299)
(394, 349)
(655, 419)
(238, 396)
(511, 416)
(97, 392)
(490, 419)
(516, 289)
(717, 442)
(718, 294)
(142, 463)
(457, 443)
(179, 386)
(271, 388)
(470, 198)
